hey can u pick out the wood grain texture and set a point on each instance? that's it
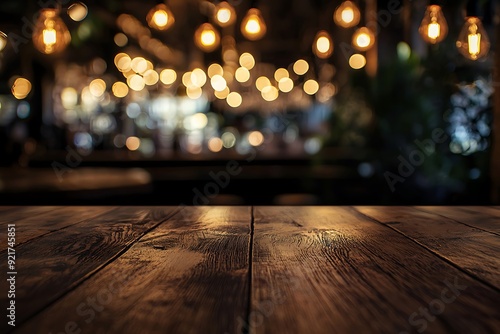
(37, 224)
(483, 217)
(471, 249)
(57, 263)
(189, 275)
(333, 270)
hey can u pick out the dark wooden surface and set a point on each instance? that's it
(254, 269)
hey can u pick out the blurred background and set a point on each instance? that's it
(249, 102)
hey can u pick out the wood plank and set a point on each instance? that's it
(333, 270)
(475, 251)
(189, 275)
(483, 217)
(51, 266)
(34, 226)
(23, 212)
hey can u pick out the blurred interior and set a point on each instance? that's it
(127, 113)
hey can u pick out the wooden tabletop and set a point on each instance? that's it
(253, 269)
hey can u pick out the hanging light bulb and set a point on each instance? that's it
(3, 40)
(473, 41)
(160, 17)
(323, 45)
(253, 26)
(347, 14)
(224, 14)
(433, 27)
(363, 39)
(50, 34)
(206, 37)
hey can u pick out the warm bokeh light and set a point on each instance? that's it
(247, 61)
(357, 61)
(234, 99)
(69, 97)
(311, 87)
(139, 65)
(194, 92)
(160, 17)
(285, 85)
(207, 38)
(198, 77)
(255, 138)
(123, 62)
(78, 11)
(363, 39)
(120, 39)
(347, 15)
(3, 40)
(215, 144)
(97, 87)
(215, 69)
(433, 27)
(281, 73)
(50, 34)
(218, 83)
(242, 74)
(270, 93)
(473, 42)
(21, 88)
(133, 143)
(224, 14)
(136, 82)
(300, 67)
(221, 95)
(119, 89)
(151, 77)
(262, 82)
(168, 76)
(253, 26)
(323, 45)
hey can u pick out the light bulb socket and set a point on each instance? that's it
(472, 8)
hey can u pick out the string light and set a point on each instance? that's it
(253, 26)
(160, 17)
(347, 14)
(224, 14)
(207, 38)
(433, 28)
(323, 45)
(50, 34)
(363, 39)
(473, 42)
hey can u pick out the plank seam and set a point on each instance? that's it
(98, 269)
(62, 228)
(473, 276)
(246, 329)
(457, 221)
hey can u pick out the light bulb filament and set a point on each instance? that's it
(474, 41)
(434, 29)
